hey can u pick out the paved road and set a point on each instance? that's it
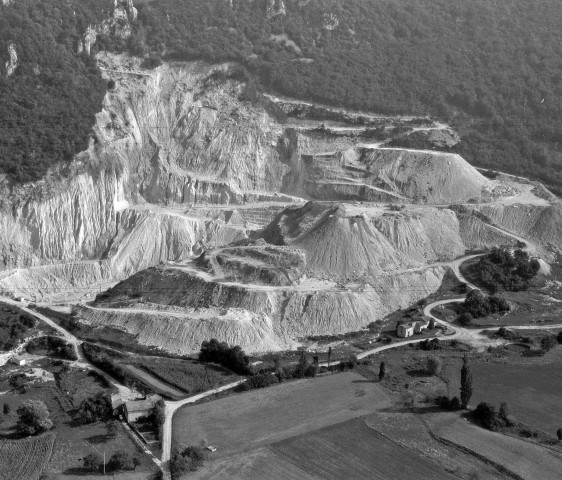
(171, 408)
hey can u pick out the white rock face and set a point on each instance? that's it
(13, 62)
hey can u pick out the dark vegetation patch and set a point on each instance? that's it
(53, 347)
(14, 326)
(48, 106)
(502, 269)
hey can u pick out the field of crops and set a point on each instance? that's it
(25, 459)
(188, 376)
(353, 451)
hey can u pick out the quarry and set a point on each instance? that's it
(200, 211)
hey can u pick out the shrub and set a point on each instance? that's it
(189, 460)
(559, 434)
(485, 415)
(111, 84)
(434, 365)
(452, 404)
(465, 319)
(548, 342)
(112, 428)
(122, 461)
(6, 409)
(559, 337)
(259, 380)
(480, 305)
(93, 462)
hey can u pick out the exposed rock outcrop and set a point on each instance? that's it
(12, 62)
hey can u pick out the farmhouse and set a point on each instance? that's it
(421, 324)
(405, 330)
(140, 408)
(17, 360)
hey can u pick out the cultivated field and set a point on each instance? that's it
(354, 451)
(260, 417)
(189, 376)
(25, 459)
(528, 461)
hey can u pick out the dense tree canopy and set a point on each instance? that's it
(48, 105)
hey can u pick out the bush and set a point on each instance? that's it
(434, 365)
(512, 272)
(93, 462)
(447, 403)
(122, 461)
(189, 460)
(259, 380)
(485, 415)
(430, 345)
(559, 434)
(548, 342)
(53, 346)
(465, 319)
(559, 337)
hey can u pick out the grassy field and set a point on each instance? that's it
(260, 417)
(528, 461)
(25, 459)
(531, 391)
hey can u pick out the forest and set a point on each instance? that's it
(491, 68)
(48, 105)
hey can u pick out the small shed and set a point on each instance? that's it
(116, 403)
(17, 360)
(135, 409)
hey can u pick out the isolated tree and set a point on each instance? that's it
(431, 325)
(112, 428)
(434, 365)
(33, 417)
(6, 409)
(382, 371)
(559, 337)
(559, 434)
(329, 356)
(93, 462)
(466, 383)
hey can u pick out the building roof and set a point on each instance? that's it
(116, 400)
(406, 325)
(142, 405)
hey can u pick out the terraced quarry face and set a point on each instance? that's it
(212, 218)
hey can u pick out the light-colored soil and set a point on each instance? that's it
(260, 417)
